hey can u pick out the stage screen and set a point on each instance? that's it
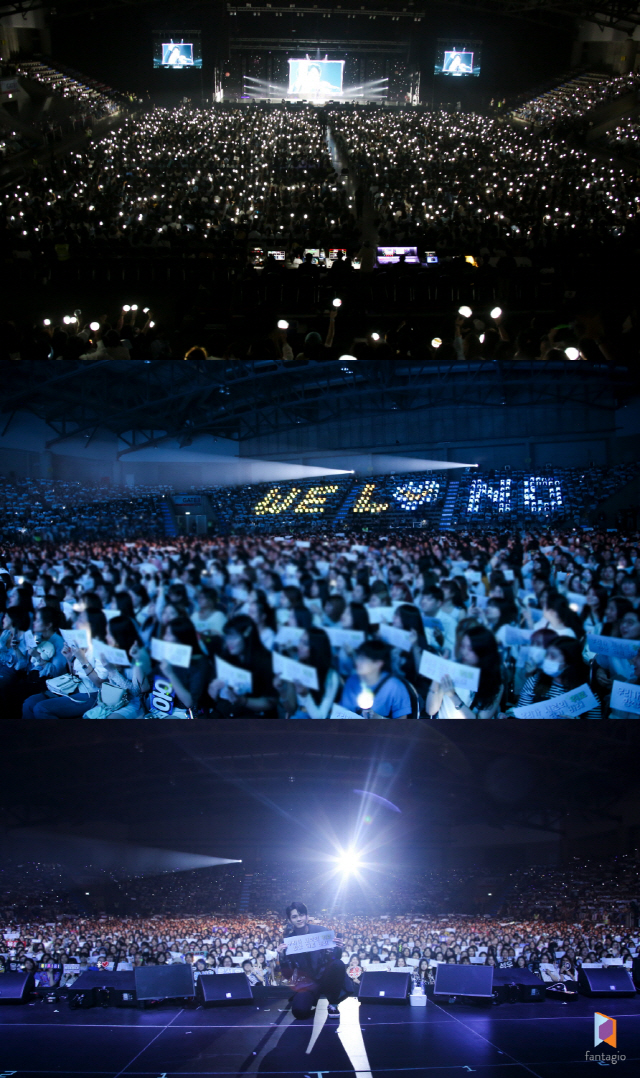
(313, 79)
(387, 255)
(458, 59)
(178, 52)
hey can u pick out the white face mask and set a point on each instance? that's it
(551, 667)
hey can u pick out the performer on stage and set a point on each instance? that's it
(314, 973)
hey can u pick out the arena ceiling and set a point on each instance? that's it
(621, 14)
(146, 403)
(73, 775)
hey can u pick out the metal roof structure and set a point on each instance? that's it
(146, 403)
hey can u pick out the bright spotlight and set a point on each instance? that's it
(126, 307)
(496, 312)
(348, 861)
(375, 336)
(436, 342)
(282, 324)
(337, 303)
(466, 312)
(46, 322)
(94, 326)
(572, 353)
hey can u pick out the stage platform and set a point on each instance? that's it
(521, 1040)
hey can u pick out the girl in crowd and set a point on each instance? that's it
(407, 663)
(300, 702)
(373, 691)
(478, 648)
(187, 682)
(243, 647)
(264, 617)
(612, 668)
(562, 670)
(355, 618)
(132, 682)
(84, 665)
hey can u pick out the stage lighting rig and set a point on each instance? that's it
(301, 9)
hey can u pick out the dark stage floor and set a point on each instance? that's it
(546, 1040)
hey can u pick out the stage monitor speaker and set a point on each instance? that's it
(517, 985)
(15, 987)
(219, 990)
(613, 981)
(164, 982)
(474, 981)
(103, 988)
(385, 987)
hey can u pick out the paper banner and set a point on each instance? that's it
(314, 941)
(75, 637)
(613, 646)
(345, 638)
(567, 706)
(288, 636)
(398, 638)
(106, 654)
(463, 677)
(291, 670)
(625, 697)
(517, 637)
(379, 614)
(338, 712)
(176, 654)
(241, 681)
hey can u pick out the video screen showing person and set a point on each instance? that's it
(314, 80)
(335, 251)
(177, 53)
(457, 60)
(389, 255)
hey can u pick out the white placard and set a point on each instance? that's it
(359, 548)
(575, 598)
(303, 544)
(625, 697)
(291, 670)
(69, 970)
(345, 638)
(517, 637)
(107, 654)
(398, 638)
(613, 646)
(338, 712)
(288, 636)
(314, 941)
(76, 638)
(464, 677)
(380, 614)
(229, 969)
(241, 681)
(508, 574)
(176, 654)
(567, 706)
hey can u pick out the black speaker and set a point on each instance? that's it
(164, 982)
(222, 989)
(464, 981)
(517, 985)
(385, 987)
(15, 987)
(614, 981)
(103, 988)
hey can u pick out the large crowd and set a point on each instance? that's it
(57, 953)
(507, 212)
(456, 626)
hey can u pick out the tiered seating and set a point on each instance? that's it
(97, 97)
(575, 98)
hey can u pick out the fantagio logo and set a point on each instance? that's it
(604, 1030)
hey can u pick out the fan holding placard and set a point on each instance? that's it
(471, 688)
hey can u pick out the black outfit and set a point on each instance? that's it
(319, 973)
